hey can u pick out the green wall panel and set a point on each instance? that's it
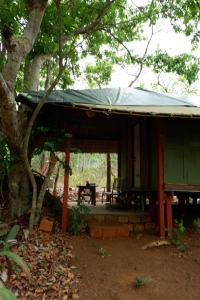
(182, 152)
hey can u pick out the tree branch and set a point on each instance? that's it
(142, 64)
(94, 25)
(28, 134)
(32, 71)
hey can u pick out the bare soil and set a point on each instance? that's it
(108, 268)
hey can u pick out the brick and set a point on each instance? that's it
(139, 227)
(123, 219)
(111, 218)
(108, 230)
(99, 218)
(150, 226)
(95, 231)
(145, 218)
(134, 219)
(122, 231)
(131, 227)
(46, 225)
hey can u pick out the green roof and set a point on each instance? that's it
(124, 100)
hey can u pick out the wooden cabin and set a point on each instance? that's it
(156, 137)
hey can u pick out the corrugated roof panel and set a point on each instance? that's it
(126, 100)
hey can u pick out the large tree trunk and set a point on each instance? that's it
(11, 124)
(19, 190)
(32, 71)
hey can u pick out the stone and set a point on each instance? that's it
(131, 227)
(134, 219)
(109, 230)
(139, 227)
(99, 218)
(123, 219)
(46, 225)
(95, 231)
(150, 226)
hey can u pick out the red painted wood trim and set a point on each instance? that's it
(64, 225)
(169, 200)
(160, 176)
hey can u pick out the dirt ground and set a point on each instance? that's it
(107, 268)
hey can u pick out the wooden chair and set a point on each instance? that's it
(114, 193)
(87, 193)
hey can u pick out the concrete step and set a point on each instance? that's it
(119, 218)
(108, 230)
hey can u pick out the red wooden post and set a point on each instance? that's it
(64, 225)
(160, 176)
(169, 199)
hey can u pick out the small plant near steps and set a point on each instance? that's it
(140, 281)
(103, 252)
(196, 224)
(77, 223)
(176, 236)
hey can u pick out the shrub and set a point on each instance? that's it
(176, 236)
(141, 281)
(10, 258)
(77, 223)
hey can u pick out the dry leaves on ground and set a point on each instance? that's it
(52, 275)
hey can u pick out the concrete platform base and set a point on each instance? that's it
(98, 230)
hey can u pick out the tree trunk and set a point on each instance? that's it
(56, 180)
(43, 189)
(19, 190)
(32, 71)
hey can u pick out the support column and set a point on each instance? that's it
(108, 183)
(160, 176)
(130, 158)
(64, 225)
(169, 200)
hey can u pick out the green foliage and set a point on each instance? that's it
(102, 252)
(184, 65)
(99, 74)
(7, 294)
(7, 243)
(77, 223)
(11, 257)
(13, 233)
(106, 42)
(176, 236)
(53, 137)
(64, 165)
(196, 224)
(184, 16)
(91, 167)
(7, 158)
(141, 281)
(16, 259)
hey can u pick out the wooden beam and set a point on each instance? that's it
(160, 176)
(130, 157)
(64, 225)
(169, 200)
(95, 146)
(108, 183)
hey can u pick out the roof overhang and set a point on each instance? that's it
(129, 101)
